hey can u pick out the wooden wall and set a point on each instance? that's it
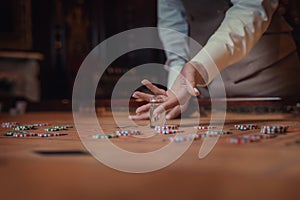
(66, 30)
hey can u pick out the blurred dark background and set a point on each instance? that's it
(42, 43)
(49, 39)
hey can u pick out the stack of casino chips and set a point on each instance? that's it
(252, 137)
(20, 134)
(117, 134)
(248, 138)
(274, 129)
(203, 127)
(51, 134)
(41, 124)
(9, 124)
(184, 138)
(244, 127)
(58, 128)
(102, 136)
(211, 133)
(167, 129)
(31, 134)
(242, 140)
(23, 128)
(127, 132)
(196, 136)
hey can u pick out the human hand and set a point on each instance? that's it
(177, 98)
(192, 74)
(142, 112)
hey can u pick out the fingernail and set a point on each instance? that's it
(196, 91)
(168, 117)
(132, 117)
(134, 95)
(145, 82)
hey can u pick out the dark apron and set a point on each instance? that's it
(272, 67)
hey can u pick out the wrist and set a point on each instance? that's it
(202, 75)
(173, 72)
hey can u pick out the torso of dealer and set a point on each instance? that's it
(271, 66)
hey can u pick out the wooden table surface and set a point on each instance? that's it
(269, 169)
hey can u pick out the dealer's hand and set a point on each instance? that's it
(142, 112)
(177, 97)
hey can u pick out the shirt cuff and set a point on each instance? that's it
(205, 59)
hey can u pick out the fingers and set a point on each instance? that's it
(166, 106)
(153, 88)
(143, 108)
(184, 86)
(142, 95)
(177, 110)
(140, 116)
(197, 93)
(173, 113)
(142, 112)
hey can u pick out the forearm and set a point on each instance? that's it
(242, 27)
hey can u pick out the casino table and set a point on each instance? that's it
(61, 167)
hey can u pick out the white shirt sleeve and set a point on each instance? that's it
(242, 27)
(171, 15)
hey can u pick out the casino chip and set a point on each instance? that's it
(102, 136)
(244, 139)
(41, 124)
(9, 124)
(127, 132)
(31, 134)
(166, 127)
(19, 134)
(50, 134)
(202, 127)
(218, 132)
(58, 128)
(167, 132)
(9, 133)
(248, 138)
(274, 129)
(51, 129)
(184, 138)
(238, 140)
(22, 128)
(244, 127)
(117, 134)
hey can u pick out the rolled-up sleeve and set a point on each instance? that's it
(242, 27)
